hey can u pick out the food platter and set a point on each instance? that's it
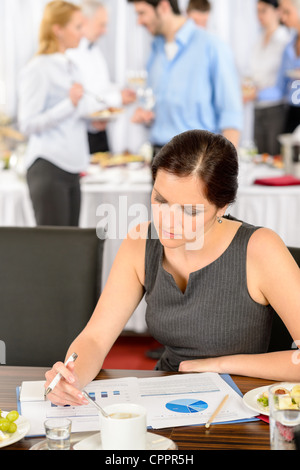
(105, 115)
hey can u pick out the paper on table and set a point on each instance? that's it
(176, 400)
(189, 399)
(84, 418)
(31, 391)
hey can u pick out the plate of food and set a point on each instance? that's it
(106, 115)
(258, 398)
(13, 427)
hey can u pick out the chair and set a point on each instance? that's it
(281, 339)
(50, 280)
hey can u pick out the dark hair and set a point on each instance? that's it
(274, 3)
(199, 5)
(209, 156)
(154, 3)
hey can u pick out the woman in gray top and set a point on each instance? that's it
(211, 283)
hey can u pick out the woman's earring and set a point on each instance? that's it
(220, 221)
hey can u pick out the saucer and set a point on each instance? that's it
(154, 442)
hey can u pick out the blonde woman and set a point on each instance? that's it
(52, 107)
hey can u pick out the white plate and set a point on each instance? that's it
(154, 442)
(23, 428)
(105, 117)
(250, 398)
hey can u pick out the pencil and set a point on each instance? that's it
(216, 412)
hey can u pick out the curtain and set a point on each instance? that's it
(126, 46)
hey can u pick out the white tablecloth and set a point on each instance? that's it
(15, 204)
(128, 192)
(274, 207)
(127, 197)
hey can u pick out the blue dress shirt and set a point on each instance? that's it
(286, 88)
(198, 89)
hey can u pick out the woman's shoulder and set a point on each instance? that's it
(267, 247)
(36, 65)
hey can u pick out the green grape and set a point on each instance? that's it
(4, 424)
(12, 428)
(12, 416)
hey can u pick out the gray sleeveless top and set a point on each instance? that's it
(215, 316)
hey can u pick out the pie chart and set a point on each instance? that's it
(186, 405)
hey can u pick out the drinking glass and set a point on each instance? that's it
(58, 433)
(284, 405)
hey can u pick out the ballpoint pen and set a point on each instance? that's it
(58, 376)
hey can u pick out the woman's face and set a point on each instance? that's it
(267, 14)
(70, 35)
(181, 213)
(289, 14)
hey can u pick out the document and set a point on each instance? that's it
(171, 401)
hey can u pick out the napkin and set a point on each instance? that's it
(285, 180)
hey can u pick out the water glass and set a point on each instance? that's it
(58, 433)
(284, 405)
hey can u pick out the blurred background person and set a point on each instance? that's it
(199, 11)
(94, 70)
(290, 67)
(287, 85)
(192, 75)
(269, 115)
(51, 110)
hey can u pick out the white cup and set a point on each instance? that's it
(125, 428)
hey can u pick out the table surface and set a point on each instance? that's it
(236, 436)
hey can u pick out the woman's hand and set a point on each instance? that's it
(76, 93)
(143, 116)
(128, 96)
(99, 125)
(67, 391)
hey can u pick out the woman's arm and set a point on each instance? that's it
(121, 295)
(273, 277)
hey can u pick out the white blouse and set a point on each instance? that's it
(266, 61)
(57, 130)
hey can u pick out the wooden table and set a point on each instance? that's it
(236, 436)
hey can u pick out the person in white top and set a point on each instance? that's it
(52, 110)
(94, 69)
(266, 59)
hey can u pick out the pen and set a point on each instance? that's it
(58, 376)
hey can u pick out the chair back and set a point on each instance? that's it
(50, 280)
(281, 340)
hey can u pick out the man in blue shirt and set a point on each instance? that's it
(192, 75)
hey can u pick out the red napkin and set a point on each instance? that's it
(286, 180)
(263, 418)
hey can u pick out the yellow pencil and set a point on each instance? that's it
(217, 411)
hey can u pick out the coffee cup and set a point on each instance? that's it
(125, 428)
